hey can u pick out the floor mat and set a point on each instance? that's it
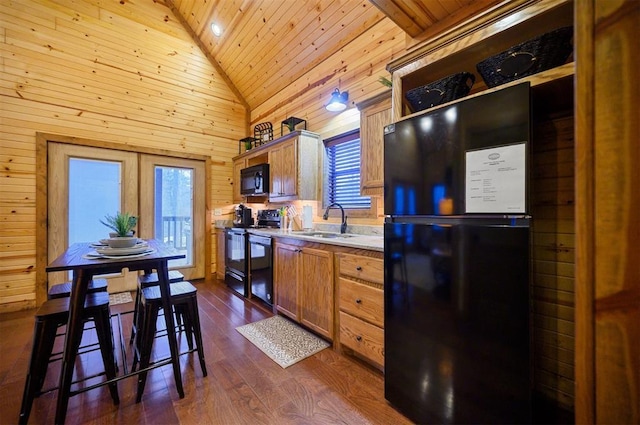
(120, 298)
(283, 341)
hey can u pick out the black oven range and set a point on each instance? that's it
(248, 258)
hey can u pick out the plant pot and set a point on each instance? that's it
(122, 242)
(116, 235)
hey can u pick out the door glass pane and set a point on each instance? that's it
(94, 192)
(173, 210)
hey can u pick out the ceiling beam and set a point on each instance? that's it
(399, 17)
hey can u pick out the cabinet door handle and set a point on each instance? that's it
(358, 338)
(359, 268)
(358, 300)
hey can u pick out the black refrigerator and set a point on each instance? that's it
(456, 247)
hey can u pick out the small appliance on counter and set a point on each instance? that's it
(268, 218)
(242, 217)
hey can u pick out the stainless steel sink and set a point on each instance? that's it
(333, 235)
(327, 235)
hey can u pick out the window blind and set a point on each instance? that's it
(343, 175)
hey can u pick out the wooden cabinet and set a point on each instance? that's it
(375, 113)
(607, 181)
(238, 164)
(220, 251)
(303, 281)
(293, 167)
(460, 50)
(285, 279)
(361, 306)
(282, 170)
(316, 290)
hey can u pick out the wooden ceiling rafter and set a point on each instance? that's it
(398, 15)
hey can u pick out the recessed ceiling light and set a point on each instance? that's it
(215, 28)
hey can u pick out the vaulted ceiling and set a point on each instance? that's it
(267, 44)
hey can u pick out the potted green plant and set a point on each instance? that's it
(290, 126)
(385, 81)
(122, 225)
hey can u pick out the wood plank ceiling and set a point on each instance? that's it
(267, 44)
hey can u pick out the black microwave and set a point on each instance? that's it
(254, 181)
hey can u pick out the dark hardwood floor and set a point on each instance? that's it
(243, 386)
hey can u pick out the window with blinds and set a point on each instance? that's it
(343, 172)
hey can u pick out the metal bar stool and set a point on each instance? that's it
(62, 290)
(144, 281)
(184, 298)
(49, 317)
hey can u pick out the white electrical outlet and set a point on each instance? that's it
(217, 211)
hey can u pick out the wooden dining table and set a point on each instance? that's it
(78, 258)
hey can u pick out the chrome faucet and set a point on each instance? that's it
(325, 216)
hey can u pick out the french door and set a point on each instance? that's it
(173, 207)
(87, 183)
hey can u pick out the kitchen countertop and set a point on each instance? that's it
(353, 240)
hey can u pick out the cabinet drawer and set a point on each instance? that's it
(362, 337)
(362, 301)
(365, 268)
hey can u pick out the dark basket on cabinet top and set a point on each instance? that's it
(263, 132)
(536, 55)
(442, 91)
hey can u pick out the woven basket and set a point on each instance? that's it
(445, 90)
(536, 55)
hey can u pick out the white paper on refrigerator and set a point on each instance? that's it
(496, 180)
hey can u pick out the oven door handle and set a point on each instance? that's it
(262, 240)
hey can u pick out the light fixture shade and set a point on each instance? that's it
(338, 101)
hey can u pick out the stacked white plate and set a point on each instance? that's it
(138, 249)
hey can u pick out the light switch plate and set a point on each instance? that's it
(217, 211)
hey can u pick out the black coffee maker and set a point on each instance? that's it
(243, 217)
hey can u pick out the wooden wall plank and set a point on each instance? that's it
(553, 244)
(71, 68)
(609, 194)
